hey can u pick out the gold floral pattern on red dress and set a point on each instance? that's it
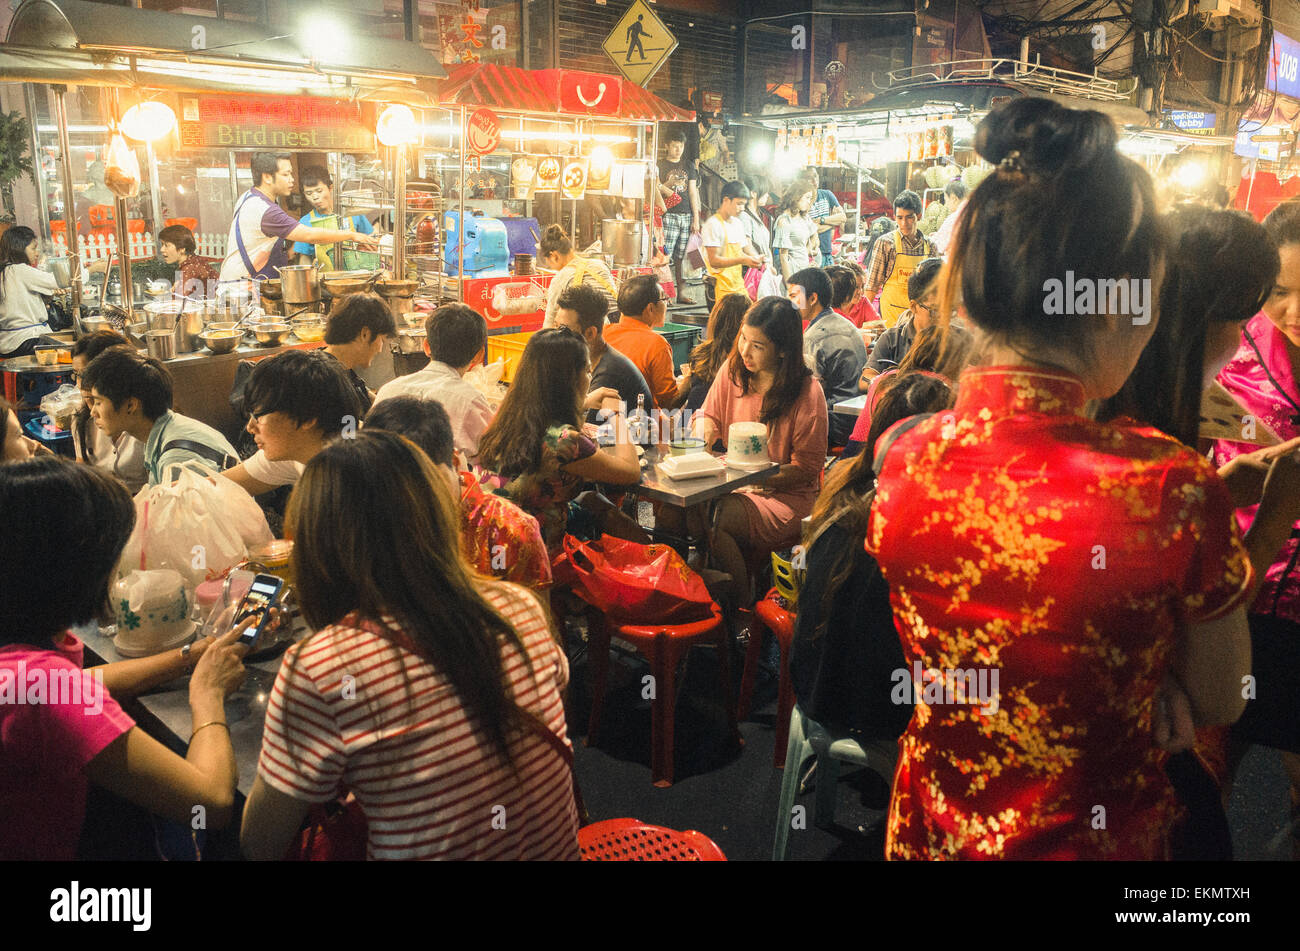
(1065, 557)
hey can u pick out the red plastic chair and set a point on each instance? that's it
(664, 646)
(191, 223)
(630, 840)
(769, 614)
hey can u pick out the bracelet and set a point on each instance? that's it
(195, 733)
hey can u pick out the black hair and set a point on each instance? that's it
(120, 374)
(358, 312)
(64, 527)
(306, 386)
(456, 333)
(424, 422)
(813, 280)
(588, 303)
(92, 345)
(638, 293)
(922, 279)
(13, 250)
(544, 393)
(956, 188)
(675, 135)
(1094, 215)
(781, 324)
(1283, 224)
(843, 284)
(1221, 269)
(314, 175)
(908, 200)
(554, 240)
(266, 163)
(179, 236)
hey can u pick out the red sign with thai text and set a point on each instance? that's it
(258, 123)
(482, 131)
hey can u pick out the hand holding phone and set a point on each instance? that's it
(256, 606)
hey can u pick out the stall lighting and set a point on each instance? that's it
(148, 121)
(397, 126)
(327, 40)
(603, 137)
(1142, 145)
(785, 165)
(602, 160)
(759, 153)
(1192, 175)
(73, 128)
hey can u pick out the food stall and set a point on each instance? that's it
(204, 95)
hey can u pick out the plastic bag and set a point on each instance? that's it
(202, 525)
(121, 168)
(487, 380)
(61, 406)
(638, 583)
(770, 284)
(695, 250)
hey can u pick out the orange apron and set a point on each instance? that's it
(893, 296)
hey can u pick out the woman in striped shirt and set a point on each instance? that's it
(429, 692)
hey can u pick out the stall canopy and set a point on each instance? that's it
(558, 91)
(77, 41)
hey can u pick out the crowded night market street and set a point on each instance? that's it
(618, 430)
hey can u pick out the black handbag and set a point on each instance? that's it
(56, 315)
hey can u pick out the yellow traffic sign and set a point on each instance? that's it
(639, 43)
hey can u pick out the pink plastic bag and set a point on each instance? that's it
(695, 250)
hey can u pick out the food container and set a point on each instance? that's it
(221, 341)
(271, 288)
(271, 334)
(309, 331)
(300, 283)
(91, 325)
(46, 356)
(622, 239)
(411, 340)
(681, 447)
(161, 343)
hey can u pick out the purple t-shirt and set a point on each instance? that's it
(46, 740)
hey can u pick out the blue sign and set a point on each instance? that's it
(1244, 146)
(1284, 66)
(1192, 121)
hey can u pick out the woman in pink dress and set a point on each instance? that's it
(767, 381)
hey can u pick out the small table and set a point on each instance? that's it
(851, 407)
(167, 708)
(685, 493)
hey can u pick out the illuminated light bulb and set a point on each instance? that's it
(397, 126)
(1191, 175)
(602, 160)
(148, 121)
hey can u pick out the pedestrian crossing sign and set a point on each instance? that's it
(639, 43)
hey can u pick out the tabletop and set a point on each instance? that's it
(167, 707)
(851, 407)
(687, 492)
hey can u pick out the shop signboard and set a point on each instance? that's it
(1195, 123)
(482, 131)
(255, 123)
(639, 43)
(1284, 66)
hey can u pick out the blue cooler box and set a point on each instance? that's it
(487, 252)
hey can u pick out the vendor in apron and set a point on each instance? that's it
(726, 246)
(255, 249)
(317, 188)
(895, 256)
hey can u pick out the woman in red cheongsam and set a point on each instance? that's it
(1076, 587)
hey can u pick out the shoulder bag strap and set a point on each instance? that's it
(222, 460)
(239, 235)
(891, 436)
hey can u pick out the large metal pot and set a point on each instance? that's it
(183, 317)
(347, 283)
(300, 283)
(622, 239)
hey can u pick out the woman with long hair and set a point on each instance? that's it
(766, 381)
(1074, 586)
(555, 251)
(714, 350)
(23, 317)
(794, 236)
(845, 649)
(537, 449)
(429, 692)
(1262, 376)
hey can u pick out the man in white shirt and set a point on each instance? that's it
(455, 339)
(298, 401)
(726, 246)
(954, 196)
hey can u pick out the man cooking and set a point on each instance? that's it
(318, 188)
(256, 246)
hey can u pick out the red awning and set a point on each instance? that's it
(555, 91)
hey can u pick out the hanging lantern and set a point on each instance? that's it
(397, 126)
(148, 121)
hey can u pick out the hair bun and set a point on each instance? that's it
(1040, 136)
(554, 231)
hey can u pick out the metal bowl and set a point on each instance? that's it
(92, 324)
(224, 325)
(410, 341)
(343, 286)
(221, 341)
(395, 288)
(271, 334)
(272, 289)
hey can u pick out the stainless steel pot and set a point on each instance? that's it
(161, 343)
(622, 239)
(61, 268)
(300, 283)
(410, 340)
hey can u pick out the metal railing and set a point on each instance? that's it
(1035, 75)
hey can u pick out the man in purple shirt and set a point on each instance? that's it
(256, 245)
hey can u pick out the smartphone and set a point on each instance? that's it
(261, 597)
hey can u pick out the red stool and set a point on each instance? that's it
(630, 840)
(769, 614)
(663, 645)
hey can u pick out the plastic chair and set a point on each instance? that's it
(631, 840)
(810, 738)
(191, 223)
(771, 615)
(663, 645)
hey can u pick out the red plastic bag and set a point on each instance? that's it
(635, 583)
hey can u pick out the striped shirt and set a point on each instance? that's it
(429, 783)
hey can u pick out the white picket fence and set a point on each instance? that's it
(141, 247)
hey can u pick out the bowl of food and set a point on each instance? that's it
(221, 341)
(309, 331)
(688, 444)
(46, 356)
(271, 334)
